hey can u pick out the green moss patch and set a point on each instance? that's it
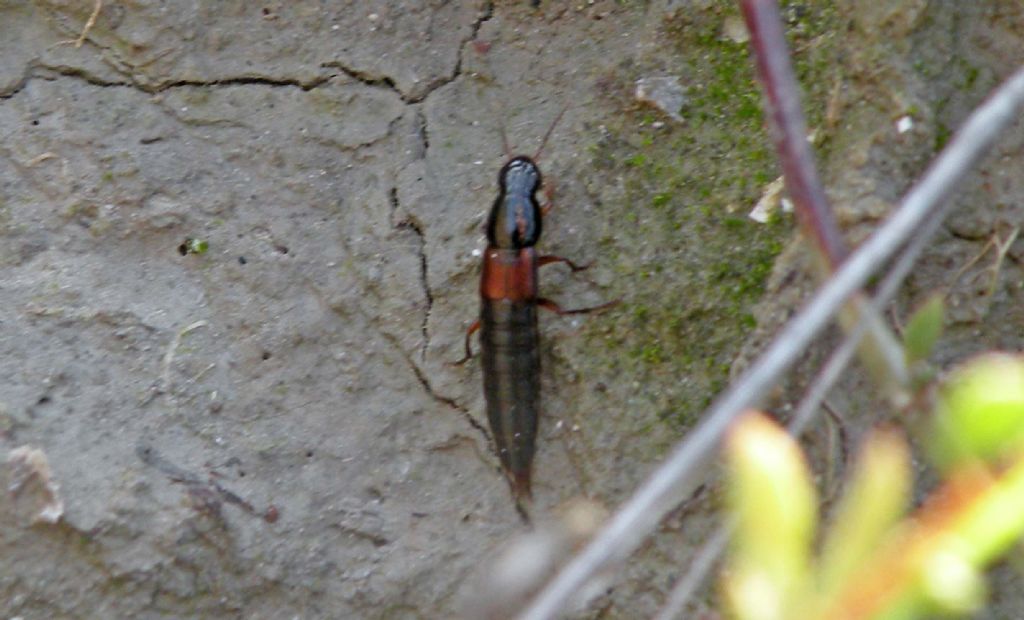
(690, 264)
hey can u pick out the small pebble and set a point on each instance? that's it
(735, 30)
(665, 93)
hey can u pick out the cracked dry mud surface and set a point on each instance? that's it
(272, 428)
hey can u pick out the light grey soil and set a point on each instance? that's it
(272, 428)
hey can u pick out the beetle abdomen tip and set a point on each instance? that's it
(521, 485)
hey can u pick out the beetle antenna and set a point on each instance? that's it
(547, 135)
(504, 138)
(502, 115)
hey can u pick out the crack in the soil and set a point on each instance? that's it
(421, 131)
(362, 76)
(18, 86)
(409, 223)
(429, 389)
(386, 81)
(367, 78)
(54, 71)
(421, 377)
(485, 16)
(247, 80)
(424, 133)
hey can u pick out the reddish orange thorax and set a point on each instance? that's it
(509, 274)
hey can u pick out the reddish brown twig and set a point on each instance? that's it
(789, 131)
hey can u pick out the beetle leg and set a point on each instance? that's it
(547, 260)
(552, 306)
(469, 334)
(549, 198)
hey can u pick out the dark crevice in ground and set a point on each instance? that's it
(385, 81)
(422, 378)
(367, 78)
(409, 223)
(18, 86)
(388, 82)
(245, 80)
(421, 130)
(485, 15)
(52, 73)
(364, 77)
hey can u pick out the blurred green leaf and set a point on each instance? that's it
(877, 497)
(980, 411)
(776, 507)
(952, 583)
(994, 521)
(923, 329)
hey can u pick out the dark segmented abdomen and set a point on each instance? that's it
(511, 368)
